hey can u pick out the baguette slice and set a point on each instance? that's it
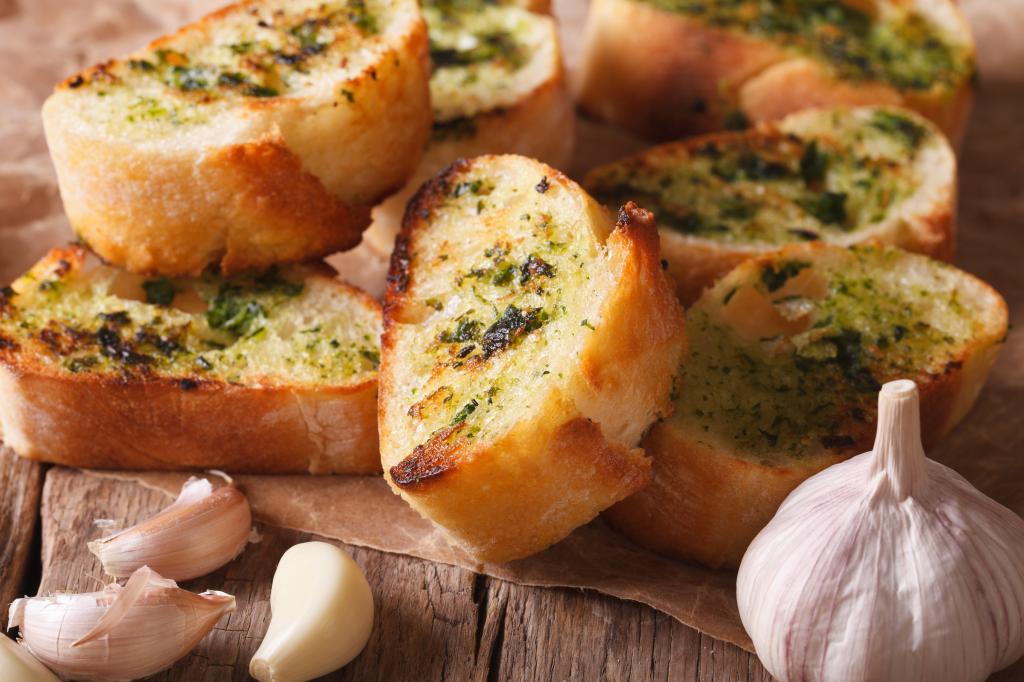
(453, 6)
(686, 67)
(843, 176)
(261, 134)
(497, 87)
(787, 354)
(528, 343)
(273, 373)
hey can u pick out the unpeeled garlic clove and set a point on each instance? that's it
(322, 615)
(18, 665)
(120, 633)
(201, 531)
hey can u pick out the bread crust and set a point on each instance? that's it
(670, 75)
(159, 425)
(926, 223)
(706, 505)
(270, 190)
(575, 453)
(105, 421)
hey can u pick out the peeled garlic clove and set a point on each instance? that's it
(887, 567)
(120, 633)
(17, 664)
(201, 531)
(322, 615)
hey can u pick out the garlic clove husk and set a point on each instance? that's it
(119, 633)
(18, 665)
(321, 615)
(886, 567)
(204, 529)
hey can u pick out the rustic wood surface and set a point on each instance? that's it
(21, 487)
(433, 622)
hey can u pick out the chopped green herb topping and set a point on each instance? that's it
(811, 391)
(776, 277)
(467, 409)
(902, 49)
(847, 172)
(91, 320)
(813, 164)
(911, 132)
(159, 291)
(827, 207)
(270, 59)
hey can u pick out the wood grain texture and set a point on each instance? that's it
(21, 486)
(433, 622)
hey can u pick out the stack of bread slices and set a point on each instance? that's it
(532, 365)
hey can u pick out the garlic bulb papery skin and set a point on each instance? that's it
(120, 633)
(321, 615)
(887, 567)
(201, 531)
(18, 665)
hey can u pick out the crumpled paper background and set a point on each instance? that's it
(42, 41)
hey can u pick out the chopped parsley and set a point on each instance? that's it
(775, 277)
(828, 207)
(159, 291)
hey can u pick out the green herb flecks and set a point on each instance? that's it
(827, 207)
(159, 291)
(775, 277)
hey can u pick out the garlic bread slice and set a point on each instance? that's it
(263, 133)
(268, 373)
(497, 86)
(528, 343)
(842, 176)
(787, 353)
(686, 67)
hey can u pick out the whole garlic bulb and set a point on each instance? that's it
(887, 567)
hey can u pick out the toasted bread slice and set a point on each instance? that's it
(497, 87)
(695, 67)
(528, 343)
(273, 373)
(258, 135)
(458, 6)
(787, 354)
(836, 175)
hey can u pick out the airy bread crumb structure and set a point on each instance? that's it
(528, 344)
(273, 372)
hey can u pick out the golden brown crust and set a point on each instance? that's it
(105, 421)
(706, 505)
(671, 75)
(701, 506)
(642, 319)
(269, 191)
(162, 425)
(570, 456)
(484, 504)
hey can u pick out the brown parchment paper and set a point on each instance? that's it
(42, 41)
